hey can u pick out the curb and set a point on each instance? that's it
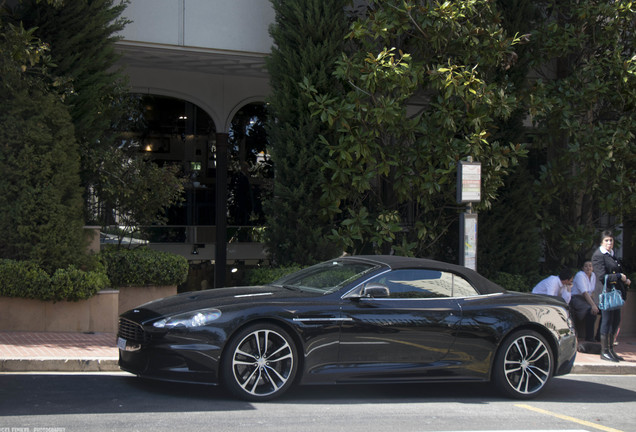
(111, 365)
(59, 365)
(604, 369)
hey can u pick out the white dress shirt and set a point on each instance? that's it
(552, 286)
(583, 284)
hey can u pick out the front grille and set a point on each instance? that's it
(131, 331)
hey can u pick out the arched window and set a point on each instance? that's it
(250, 172)
(178, 132)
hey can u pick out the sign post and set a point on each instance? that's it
(468, 192)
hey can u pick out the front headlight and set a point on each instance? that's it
(195, 318)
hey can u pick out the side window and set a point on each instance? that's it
(422, 283)
(415, 283)
(461, 287)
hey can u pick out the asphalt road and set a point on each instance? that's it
(120, 402)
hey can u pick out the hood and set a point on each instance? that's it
(219, 297)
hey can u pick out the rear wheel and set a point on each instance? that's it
(260, 363)
(523, 365)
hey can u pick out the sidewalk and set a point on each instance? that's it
(97, 352)
(58, 352)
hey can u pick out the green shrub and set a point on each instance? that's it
(74, 284)
(26, 279)
(265, 275)
(143, 266)
(41, 212)
(23, 279)
(512, 282)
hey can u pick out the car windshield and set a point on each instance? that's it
(326, 277)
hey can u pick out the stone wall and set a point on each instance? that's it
(98, 314)
(628, 316)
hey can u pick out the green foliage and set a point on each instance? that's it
(40, 198)
(137, 189)
(265, 275)
(306, 35)
(143, 266)
(26, 279)
(121, 267)
(74, 284)
(82, 37)
(513, 282)
(22, 55)
(425, 88)
(82, 40)
(583, 106)
(509, 238)
(23, 279)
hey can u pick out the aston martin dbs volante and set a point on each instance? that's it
(355, 319)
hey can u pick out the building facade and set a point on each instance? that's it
(210, 55)
(207, 56)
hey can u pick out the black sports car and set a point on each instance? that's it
(358, 319)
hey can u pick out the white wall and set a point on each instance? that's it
(232, 25)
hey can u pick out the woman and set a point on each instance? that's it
(581, 302)
(606, 265)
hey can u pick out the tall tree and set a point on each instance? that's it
(40, 198)
(425, 86)
(509, 238)
(82, 35)
(306, 35)
(583, 103)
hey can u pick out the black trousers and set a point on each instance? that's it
(583, 311)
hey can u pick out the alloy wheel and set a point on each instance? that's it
(527, 364)
(263, 363)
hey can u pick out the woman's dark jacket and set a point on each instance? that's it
(610, 266)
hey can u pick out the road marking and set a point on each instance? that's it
(568, 418)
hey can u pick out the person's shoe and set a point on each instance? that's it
(605, 355)
(605, 352)
(610, 345)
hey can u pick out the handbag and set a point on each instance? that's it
(610, 300)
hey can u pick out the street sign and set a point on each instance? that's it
(468, 239)
(469, 182)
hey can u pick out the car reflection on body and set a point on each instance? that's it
(356, 319)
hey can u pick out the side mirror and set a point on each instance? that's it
(375, 290)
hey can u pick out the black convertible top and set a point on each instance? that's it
(484, 285)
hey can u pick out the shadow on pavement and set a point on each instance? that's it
(46, 394)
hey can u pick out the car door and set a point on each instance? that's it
(408, 332)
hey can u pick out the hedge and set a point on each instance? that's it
(513, 282)
(123, 267)
(143, 266)
(26, 279)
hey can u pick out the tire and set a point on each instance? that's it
(523, 365)
(259, 363)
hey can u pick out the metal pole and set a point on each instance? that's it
(220, 251)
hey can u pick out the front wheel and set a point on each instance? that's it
(523, 365)
(260, 363)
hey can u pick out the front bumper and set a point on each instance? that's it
(567, 354)
(180, 356)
